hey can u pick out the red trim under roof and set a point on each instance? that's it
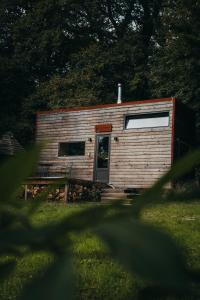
(173, 131)
(60, 110)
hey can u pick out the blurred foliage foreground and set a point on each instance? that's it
(142, 249)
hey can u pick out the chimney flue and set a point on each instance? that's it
(119, 98)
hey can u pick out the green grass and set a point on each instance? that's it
(97, 275)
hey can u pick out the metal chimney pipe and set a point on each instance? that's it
(119, 98)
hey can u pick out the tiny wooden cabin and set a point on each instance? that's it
(127, 145)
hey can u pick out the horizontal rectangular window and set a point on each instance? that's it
(71, 149)
(147, 120)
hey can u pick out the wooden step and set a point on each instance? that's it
(104, 200)
(109, 190)
(110, 194)
(113, 194)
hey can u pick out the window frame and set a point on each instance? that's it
(146, 114)
(71, 142)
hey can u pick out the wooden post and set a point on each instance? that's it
(66, 192)
(25, 192)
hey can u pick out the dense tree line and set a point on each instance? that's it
(56, 53)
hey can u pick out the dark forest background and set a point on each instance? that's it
(65, 53)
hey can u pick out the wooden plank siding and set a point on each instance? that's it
(137, 159)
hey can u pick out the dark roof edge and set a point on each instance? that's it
(73, 109)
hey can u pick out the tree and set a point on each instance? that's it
(73, 52)
(175, 69)
(116, 46)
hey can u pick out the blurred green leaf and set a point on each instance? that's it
(187, 195)
(14, 171)
(181, 167)
(153, 194)
(56, 282)
(6, 268)
(43, 195)
(147, 252)
(157, 292)
(91, 217)
(143, 250)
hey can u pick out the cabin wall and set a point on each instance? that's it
(137, 159)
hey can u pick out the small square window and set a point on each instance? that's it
(147, 120)
(71, 149)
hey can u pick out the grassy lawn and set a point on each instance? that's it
(97, 275)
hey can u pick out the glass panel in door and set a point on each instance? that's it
(102, 158)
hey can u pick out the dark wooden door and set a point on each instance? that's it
(102, 158)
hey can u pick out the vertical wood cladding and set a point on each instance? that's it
(137, 158)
